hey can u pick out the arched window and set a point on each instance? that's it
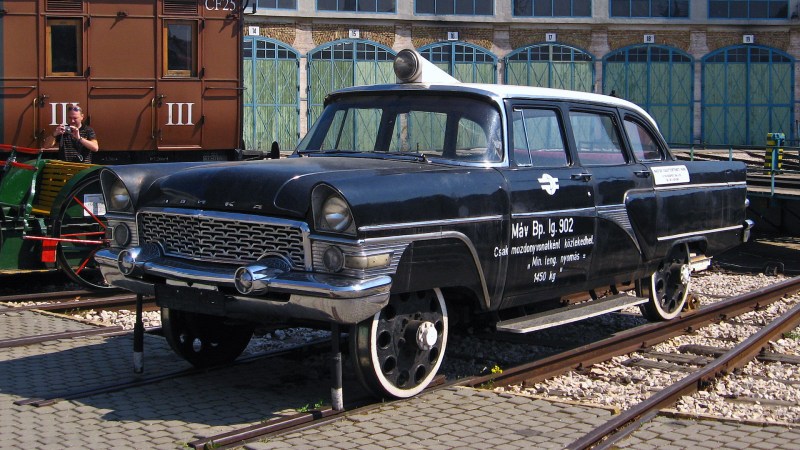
(271, 94)
(748, 91)
(465, 62)
(345, 63)
(660, 79)
(551, 65)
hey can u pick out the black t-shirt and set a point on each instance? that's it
(69, 149)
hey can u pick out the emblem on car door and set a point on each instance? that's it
(548, 183)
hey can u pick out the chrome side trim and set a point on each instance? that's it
(574, 212)
(429, 223)
(699, 233)
(619, 215)
(699, 186)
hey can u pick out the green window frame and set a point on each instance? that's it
(271, 103)
(551, 65)
(748, 91)
(465, 62)
(658, 78)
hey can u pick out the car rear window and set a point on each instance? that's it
(596, 139)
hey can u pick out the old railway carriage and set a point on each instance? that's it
(410, 207)
(159, 80)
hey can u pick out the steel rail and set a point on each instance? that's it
(44, 296)
(28, 340)
(297, 422)
(110, 301)
(737, 357)
(637, 338)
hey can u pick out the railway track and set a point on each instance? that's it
(71, 303)
(576, 359)
(625, 423)
(723, 311)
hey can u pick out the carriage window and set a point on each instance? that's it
(64, 47)
(180, 49)
(596, 139)
(644, 146)
(537, 138)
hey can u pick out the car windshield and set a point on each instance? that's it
(429, 126)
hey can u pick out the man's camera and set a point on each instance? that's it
(68, 129)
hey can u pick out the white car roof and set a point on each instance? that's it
(508, 91)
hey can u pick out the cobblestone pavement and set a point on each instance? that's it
(164, 415)
(466, 418)
(170, 413)
(12, 323)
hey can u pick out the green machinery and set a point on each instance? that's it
(51, 215)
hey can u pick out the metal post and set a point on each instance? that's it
(138, 337)
(773, 167)
(337, 396)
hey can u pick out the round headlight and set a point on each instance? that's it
(118, 197)
(336, 214)
(333, 259)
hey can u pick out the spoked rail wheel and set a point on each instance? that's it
(204, 340)
(399, 350)
(81, 228)
(668, 288)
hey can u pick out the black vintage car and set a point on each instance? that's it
(408, 205)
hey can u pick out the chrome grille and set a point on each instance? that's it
(223, 238)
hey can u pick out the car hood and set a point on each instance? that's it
(283, 187)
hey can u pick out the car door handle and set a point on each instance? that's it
(585, 176)
(642, 173)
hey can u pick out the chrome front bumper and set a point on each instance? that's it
(311, 296)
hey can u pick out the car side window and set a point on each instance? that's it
(596, 138)
(537, 138)
(472, 143)
(644, 145)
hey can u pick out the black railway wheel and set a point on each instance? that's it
(399, 350)
(668, 287)
(204, 340)
(83, 230)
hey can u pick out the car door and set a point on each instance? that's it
(615, 178)
(695, 199)
(552, 209)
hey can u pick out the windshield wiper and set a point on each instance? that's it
(419, 156)
(342, 151)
